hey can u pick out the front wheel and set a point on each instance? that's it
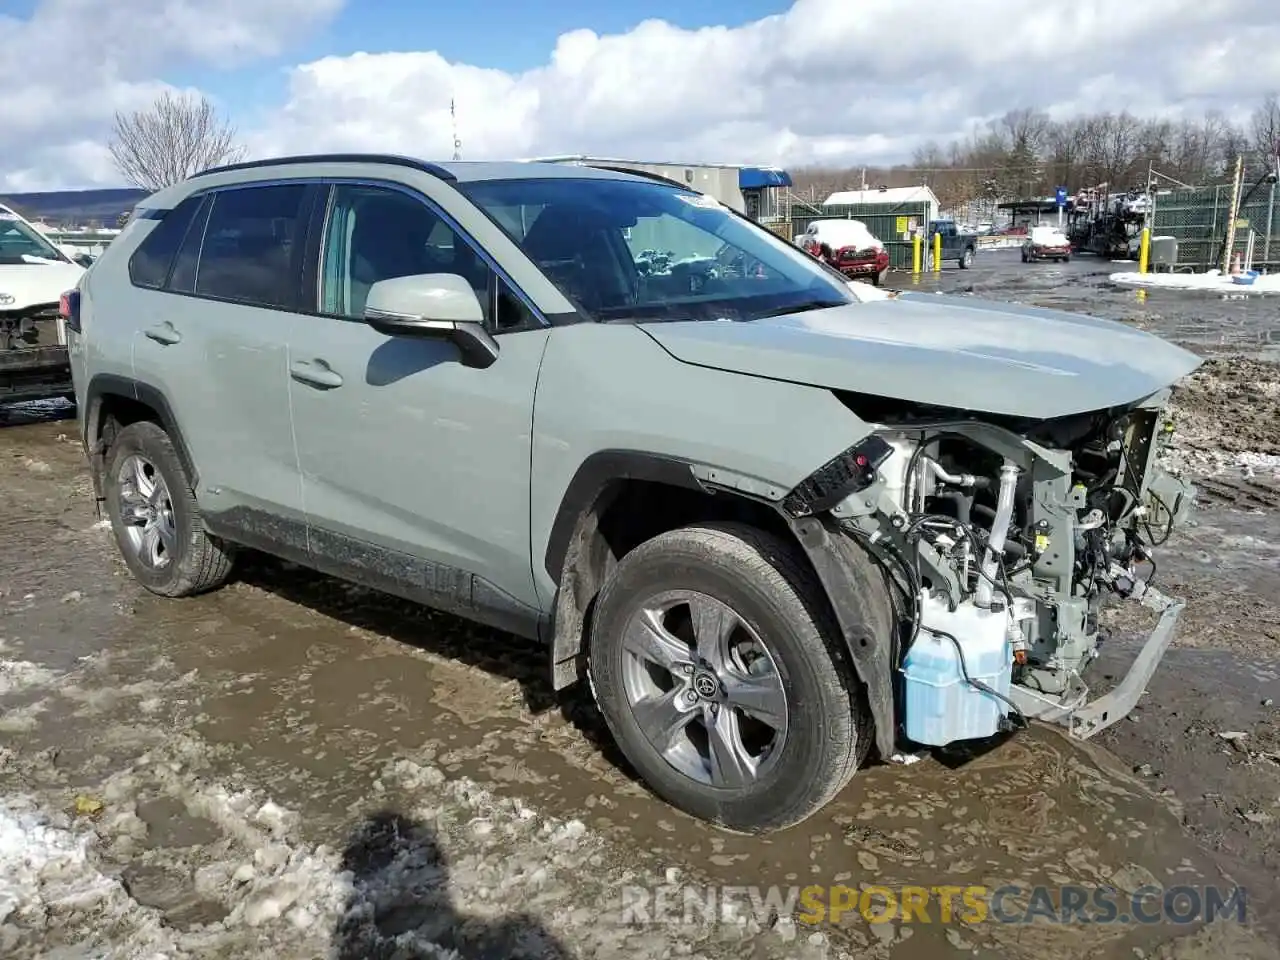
(966, 260)
(722, 677)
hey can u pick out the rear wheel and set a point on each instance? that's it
(722, 677)
(1025, 258)
(155, 518)
(966, 260)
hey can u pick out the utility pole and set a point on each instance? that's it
(1228, 248)
(457, 144)
(1271, 209)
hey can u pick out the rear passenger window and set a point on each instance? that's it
(249, 245)
(183, 277)
(149, 265)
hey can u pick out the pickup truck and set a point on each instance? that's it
(34, 273)
(956, 246)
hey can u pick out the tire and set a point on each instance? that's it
(760, 579)
(188, 561)
(876, 279)
(1025, 258)
(966, 260)
(1066, 259)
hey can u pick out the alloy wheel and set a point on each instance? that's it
(704, 689)
(146, 511)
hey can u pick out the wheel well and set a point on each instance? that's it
(109, 413)
(624, 514)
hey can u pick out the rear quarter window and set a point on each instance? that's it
(150, 263)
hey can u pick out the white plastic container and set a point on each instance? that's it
(941, 707)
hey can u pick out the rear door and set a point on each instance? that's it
(214, 341)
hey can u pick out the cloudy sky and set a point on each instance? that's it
(730, 80)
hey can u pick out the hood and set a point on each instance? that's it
(943, 350)
(32, 283)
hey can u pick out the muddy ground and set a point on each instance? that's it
(295, 768)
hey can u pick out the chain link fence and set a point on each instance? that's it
(1198, 220)
(891, 223)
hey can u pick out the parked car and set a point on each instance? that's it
(33, 343)
(848, 246)
(1046, 243)
(957, 246)
(773, 524)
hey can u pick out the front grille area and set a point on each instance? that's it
(35, 326)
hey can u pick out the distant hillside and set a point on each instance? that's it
(71, 207)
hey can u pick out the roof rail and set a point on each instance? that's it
(642, 173)
(388, 158)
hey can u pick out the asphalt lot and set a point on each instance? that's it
(294, 768)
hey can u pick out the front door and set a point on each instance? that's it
(415, 468)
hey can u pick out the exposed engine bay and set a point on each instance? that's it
(1004, 537)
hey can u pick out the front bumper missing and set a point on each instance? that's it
(1084, 718)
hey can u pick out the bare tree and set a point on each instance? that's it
(1266, 129)
(175, 137)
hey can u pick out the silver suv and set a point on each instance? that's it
(774, 526)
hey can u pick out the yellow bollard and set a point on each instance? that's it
(915, 254)
(1144, 249)
(937, 253)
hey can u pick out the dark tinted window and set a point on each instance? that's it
(249, 246)
(510, 312)
(183, 277)
(150, 263)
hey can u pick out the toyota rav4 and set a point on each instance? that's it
(774, 527)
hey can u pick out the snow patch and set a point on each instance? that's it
(18, 675)
(1212, 280)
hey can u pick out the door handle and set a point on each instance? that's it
(163, 333)
(315, 373)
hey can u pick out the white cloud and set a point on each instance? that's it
(828, 81)
(73, 63)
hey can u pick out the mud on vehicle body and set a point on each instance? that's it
(776, 527)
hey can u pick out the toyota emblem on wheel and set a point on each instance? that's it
(7, 298)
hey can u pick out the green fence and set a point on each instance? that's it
(1198, 220)
(889, 222)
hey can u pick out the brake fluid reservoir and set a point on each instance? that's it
(941, 707)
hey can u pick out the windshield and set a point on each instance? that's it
(19, 240)
(633, 250)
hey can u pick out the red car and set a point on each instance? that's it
(1046, 243)
(848, 246)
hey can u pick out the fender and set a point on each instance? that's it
(861, 598)
(593, 476)
(105, 385)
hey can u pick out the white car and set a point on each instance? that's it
(34, 274)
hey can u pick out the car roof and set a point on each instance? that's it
(454, 171)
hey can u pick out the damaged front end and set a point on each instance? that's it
(1003, 536)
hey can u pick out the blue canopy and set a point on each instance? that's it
(753, 178)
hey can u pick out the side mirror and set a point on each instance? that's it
(441, 306)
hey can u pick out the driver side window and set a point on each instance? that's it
(376, 233)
